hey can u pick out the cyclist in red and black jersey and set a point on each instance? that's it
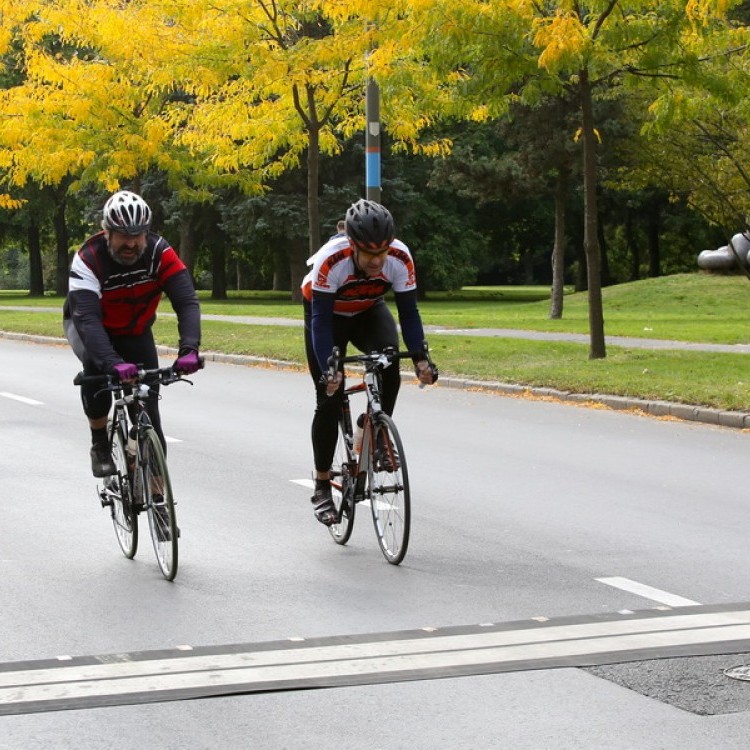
(115, 284)
(343, 298)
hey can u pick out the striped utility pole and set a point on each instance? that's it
(372, 141)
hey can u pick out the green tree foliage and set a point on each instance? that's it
(526, 50)
(213, 108)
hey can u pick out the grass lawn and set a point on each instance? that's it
(687, 307)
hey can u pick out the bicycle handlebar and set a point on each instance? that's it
(373, 360)
(159, 375)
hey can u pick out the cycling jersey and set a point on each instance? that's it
(333, 271)
(107, 299)
(335, 286)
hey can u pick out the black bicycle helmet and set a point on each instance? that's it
(127, 212)
(369, 225)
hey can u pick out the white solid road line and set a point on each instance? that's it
(304, 483)
(22, 399)
(648, 592)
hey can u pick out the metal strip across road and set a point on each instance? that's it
(144, 677)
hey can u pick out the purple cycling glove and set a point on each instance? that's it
(125, 371)
(187, 363)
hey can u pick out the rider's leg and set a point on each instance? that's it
(324, 429)
(95, 406)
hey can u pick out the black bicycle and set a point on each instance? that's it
(374, 471)
(141, 481)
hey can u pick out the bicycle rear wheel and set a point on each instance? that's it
(159, 502)
(390, 499)
(342, 489)
(117, 491)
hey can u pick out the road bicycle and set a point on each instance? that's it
(374, 472)
(141, 481)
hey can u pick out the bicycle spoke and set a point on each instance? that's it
(117, 492)
(157, 491)
(390, 501)
(342, 488)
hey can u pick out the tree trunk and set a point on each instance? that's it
(313, 169)
(633, 246)
(558, 251)
(218, 272)
(186, 250)
(654, 247)
(61, 243)
(36, 275)
(597, 348)
(297, 268)
(606, 277)
(281, 270)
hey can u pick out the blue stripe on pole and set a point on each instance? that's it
(372, 169)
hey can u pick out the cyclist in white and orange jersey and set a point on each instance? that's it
(343, 298)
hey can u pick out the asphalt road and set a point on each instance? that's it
(547, 538)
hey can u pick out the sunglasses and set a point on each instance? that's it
(374, 252)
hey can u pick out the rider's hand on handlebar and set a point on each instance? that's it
(333, 383)
(125, 371)
(426, 372)
(188, 363)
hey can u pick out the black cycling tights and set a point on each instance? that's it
(141, 351)
(370, 331)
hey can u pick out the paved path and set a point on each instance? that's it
(655, 408)
(506, 333)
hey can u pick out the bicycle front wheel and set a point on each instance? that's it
(118, 492)
(342, 489)
(389, 495)
(159, 502)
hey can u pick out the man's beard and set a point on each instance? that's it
(124, 261)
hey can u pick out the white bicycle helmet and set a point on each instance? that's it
(126, 212)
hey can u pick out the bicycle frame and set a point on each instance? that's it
(141, 481)
(378, 474)
(370, 385)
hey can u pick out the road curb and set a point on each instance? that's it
(660, 409)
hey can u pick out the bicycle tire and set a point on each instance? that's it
(119, 493)
(159, 502)
(342, 489)
(389, 494)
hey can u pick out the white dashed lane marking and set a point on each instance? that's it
(21, 399)
(648, 592)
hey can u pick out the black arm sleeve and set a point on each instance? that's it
(85, 310)
(322, 327)
(181, 292)
(410, 321)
